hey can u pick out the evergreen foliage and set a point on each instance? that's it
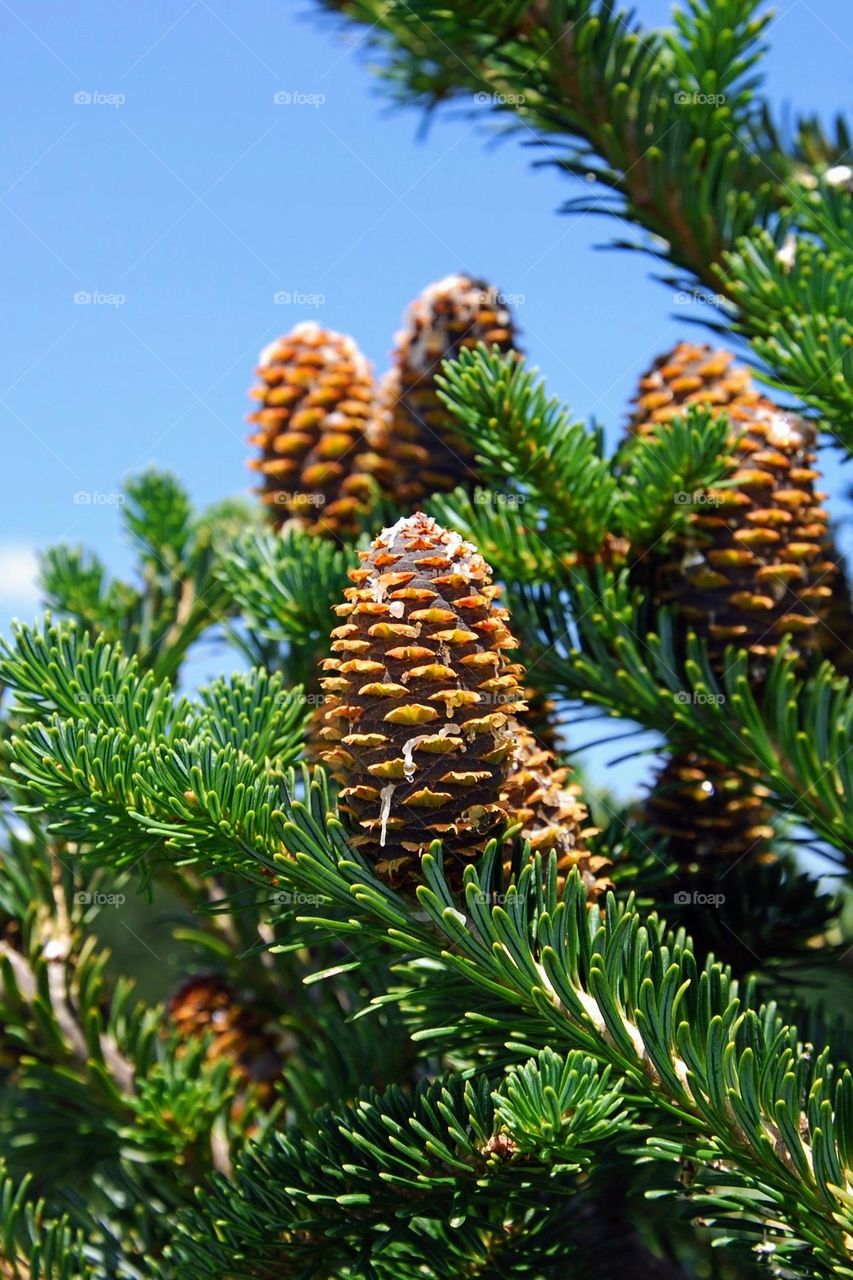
(495, 1072)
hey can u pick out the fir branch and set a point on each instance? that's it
(665, 473)
(524, 439)
(670, 125)
(799, 314)
(34, 1245)
(735, 1083)
(285, 586)
(177, 595)
(796, 732)
(731, 1076)
(456, 1175)
(490, 521)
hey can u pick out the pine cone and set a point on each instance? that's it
(419, 698)
(207, 1003)
(412, 431)
(315, 395)
(705, 810)
(537, 795)
(751, 566)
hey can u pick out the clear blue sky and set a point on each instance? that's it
(183, 188)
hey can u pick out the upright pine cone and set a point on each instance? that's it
(207, 1003)
(706, 810)
(315, 397)
(539, 796)
(751, 566)
(412, 430)
(419, 697)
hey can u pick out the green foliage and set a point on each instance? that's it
(671, 126)
(665, 473)
(33, 1245)
(483, 1084)
(390, 1179)
(725, 1081)
(178, 594)
(799, 315)
(523, 439)
(285, 586)
(796, 731)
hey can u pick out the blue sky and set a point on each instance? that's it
(148, 165)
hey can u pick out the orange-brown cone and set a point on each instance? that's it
(704, 810)
(538, 795)
(412, 432)
(751, 566)
(207, 1003)
(315, 395)
(420, 695)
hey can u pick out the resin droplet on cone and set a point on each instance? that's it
(420, 697)
(412, 430)
(315, 398)
(751, 566)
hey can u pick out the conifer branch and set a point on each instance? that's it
(636, 110)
